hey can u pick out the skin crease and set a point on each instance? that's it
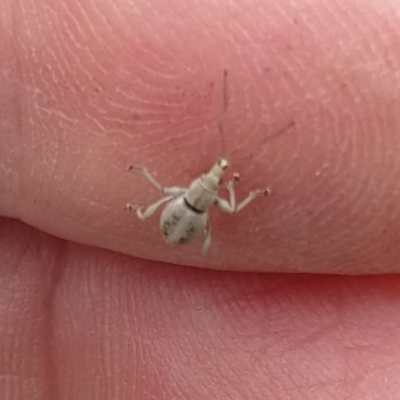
(90, 87)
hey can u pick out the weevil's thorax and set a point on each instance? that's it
(203, 191)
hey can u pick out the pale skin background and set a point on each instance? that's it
(89, 87)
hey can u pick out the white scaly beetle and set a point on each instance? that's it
(186, 216)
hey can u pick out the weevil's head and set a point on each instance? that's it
(213, 178)
(223, 163)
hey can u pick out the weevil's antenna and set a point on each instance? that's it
(225, 90)
(224, 109)
(290, 124)
(225, 103)
(269, 138)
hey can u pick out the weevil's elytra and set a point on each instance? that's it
(195, 210)
(179, 223)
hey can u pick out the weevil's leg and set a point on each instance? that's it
(150, 210)
(224, 205)
(251, 197)
(147, 175)
(170, 191)
(174, 191)
(207, 239)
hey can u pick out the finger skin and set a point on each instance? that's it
(84, 323)
(90, 89)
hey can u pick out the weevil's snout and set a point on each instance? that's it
(223, 163)
(213, 178)
(219, 169)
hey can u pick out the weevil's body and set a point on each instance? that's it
(181, 223)
(186, 215)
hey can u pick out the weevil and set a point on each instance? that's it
(186, 216)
